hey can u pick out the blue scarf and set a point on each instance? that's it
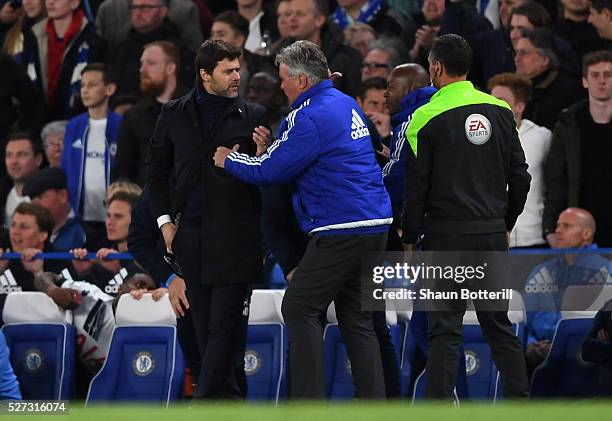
(371, 10)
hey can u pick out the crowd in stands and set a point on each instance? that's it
(82, 83)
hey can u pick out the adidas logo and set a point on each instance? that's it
(358, 127)
(77, 144)
(112, 287)
(543, 281)
(8, 283)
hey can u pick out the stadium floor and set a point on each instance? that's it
(540, 411)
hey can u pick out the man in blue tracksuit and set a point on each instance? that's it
(340, 199)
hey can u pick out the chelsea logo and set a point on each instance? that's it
(143, 364)
(252, 362)
(472, 363)
(33, 360)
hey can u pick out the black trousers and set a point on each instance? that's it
(445, 329)
(330, 271)
(219, 313)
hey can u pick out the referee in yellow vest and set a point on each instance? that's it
(466, 184)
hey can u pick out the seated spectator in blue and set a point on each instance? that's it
(597, 348)
(376, 13)
(89, 151)
(92, 311)
(9, 386)
(48, 188)
(31, 228)
(109, 275)
(546, 284)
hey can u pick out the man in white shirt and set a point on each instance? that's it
(535, 140)
(23, 157)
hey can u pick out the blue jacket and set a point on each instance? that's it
(326, 149)
(546, 284)
(75, 150)
(70, 236)
(393, 171)
(9, 385)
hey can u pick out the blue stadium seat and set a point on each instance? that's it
(266, 349)
(564, 374)
(144, 362)
(42, 343)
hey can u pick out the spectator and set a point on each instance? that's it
(552, 90)
(89, 152)
(429, 21)
(158, 82)
(149, 24)
(64, 43)
(31, 227)
(535, 140)
(23, 156)
(122, 186)
(48, 188)
(578, 171)
(308, 22)
(113, 21)
(232, 28)
(597, 348)
(283, 18)
(52, 136)
(384, 55)
(574, 28)
(376, 13)
(371, 100)
(262, 21)
(359, 36)
(21, 105)
(600, 17)
(33, 12)
(530, 15)
(546, 284)
(104, 272)
(264, 89)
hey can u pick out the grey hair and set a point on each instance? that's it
(543, 41)
(57, 126)
(394, 48)
(304, 57)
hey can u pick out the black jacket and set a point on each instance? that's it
(124, 58)
(597, 351)
(459, 186)
(134, 134)
(341, 58)
(230, 227)
(552, 92)
(563, 167)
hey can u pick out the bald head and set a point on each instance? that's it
(402, 80)
(575, 228)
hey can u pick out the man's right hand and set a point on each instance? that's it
(66, 298)
(168, 232)
(178, 299)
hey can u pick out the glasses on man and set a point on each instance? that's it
(372, 65)
(522, 52)
(49, 144)
(144, 7)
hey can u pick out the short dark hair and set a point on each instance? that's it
(239, 23)
(596, 57)
(379, 83)
(211, 52)
(543, 40)
(321, 7)
(99, 67)
(600, 5)
(454, 52)
(123, 196)
(43, 216)
(170, 49)
(535, 13)
(520, 86)
(37, 148)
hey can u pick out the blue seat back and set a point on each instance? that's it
(265, 361)
(144, 363)
(42, 356)
(338, 374)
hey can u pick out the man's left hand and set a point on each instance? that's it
(222, 153)
(262, 137)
